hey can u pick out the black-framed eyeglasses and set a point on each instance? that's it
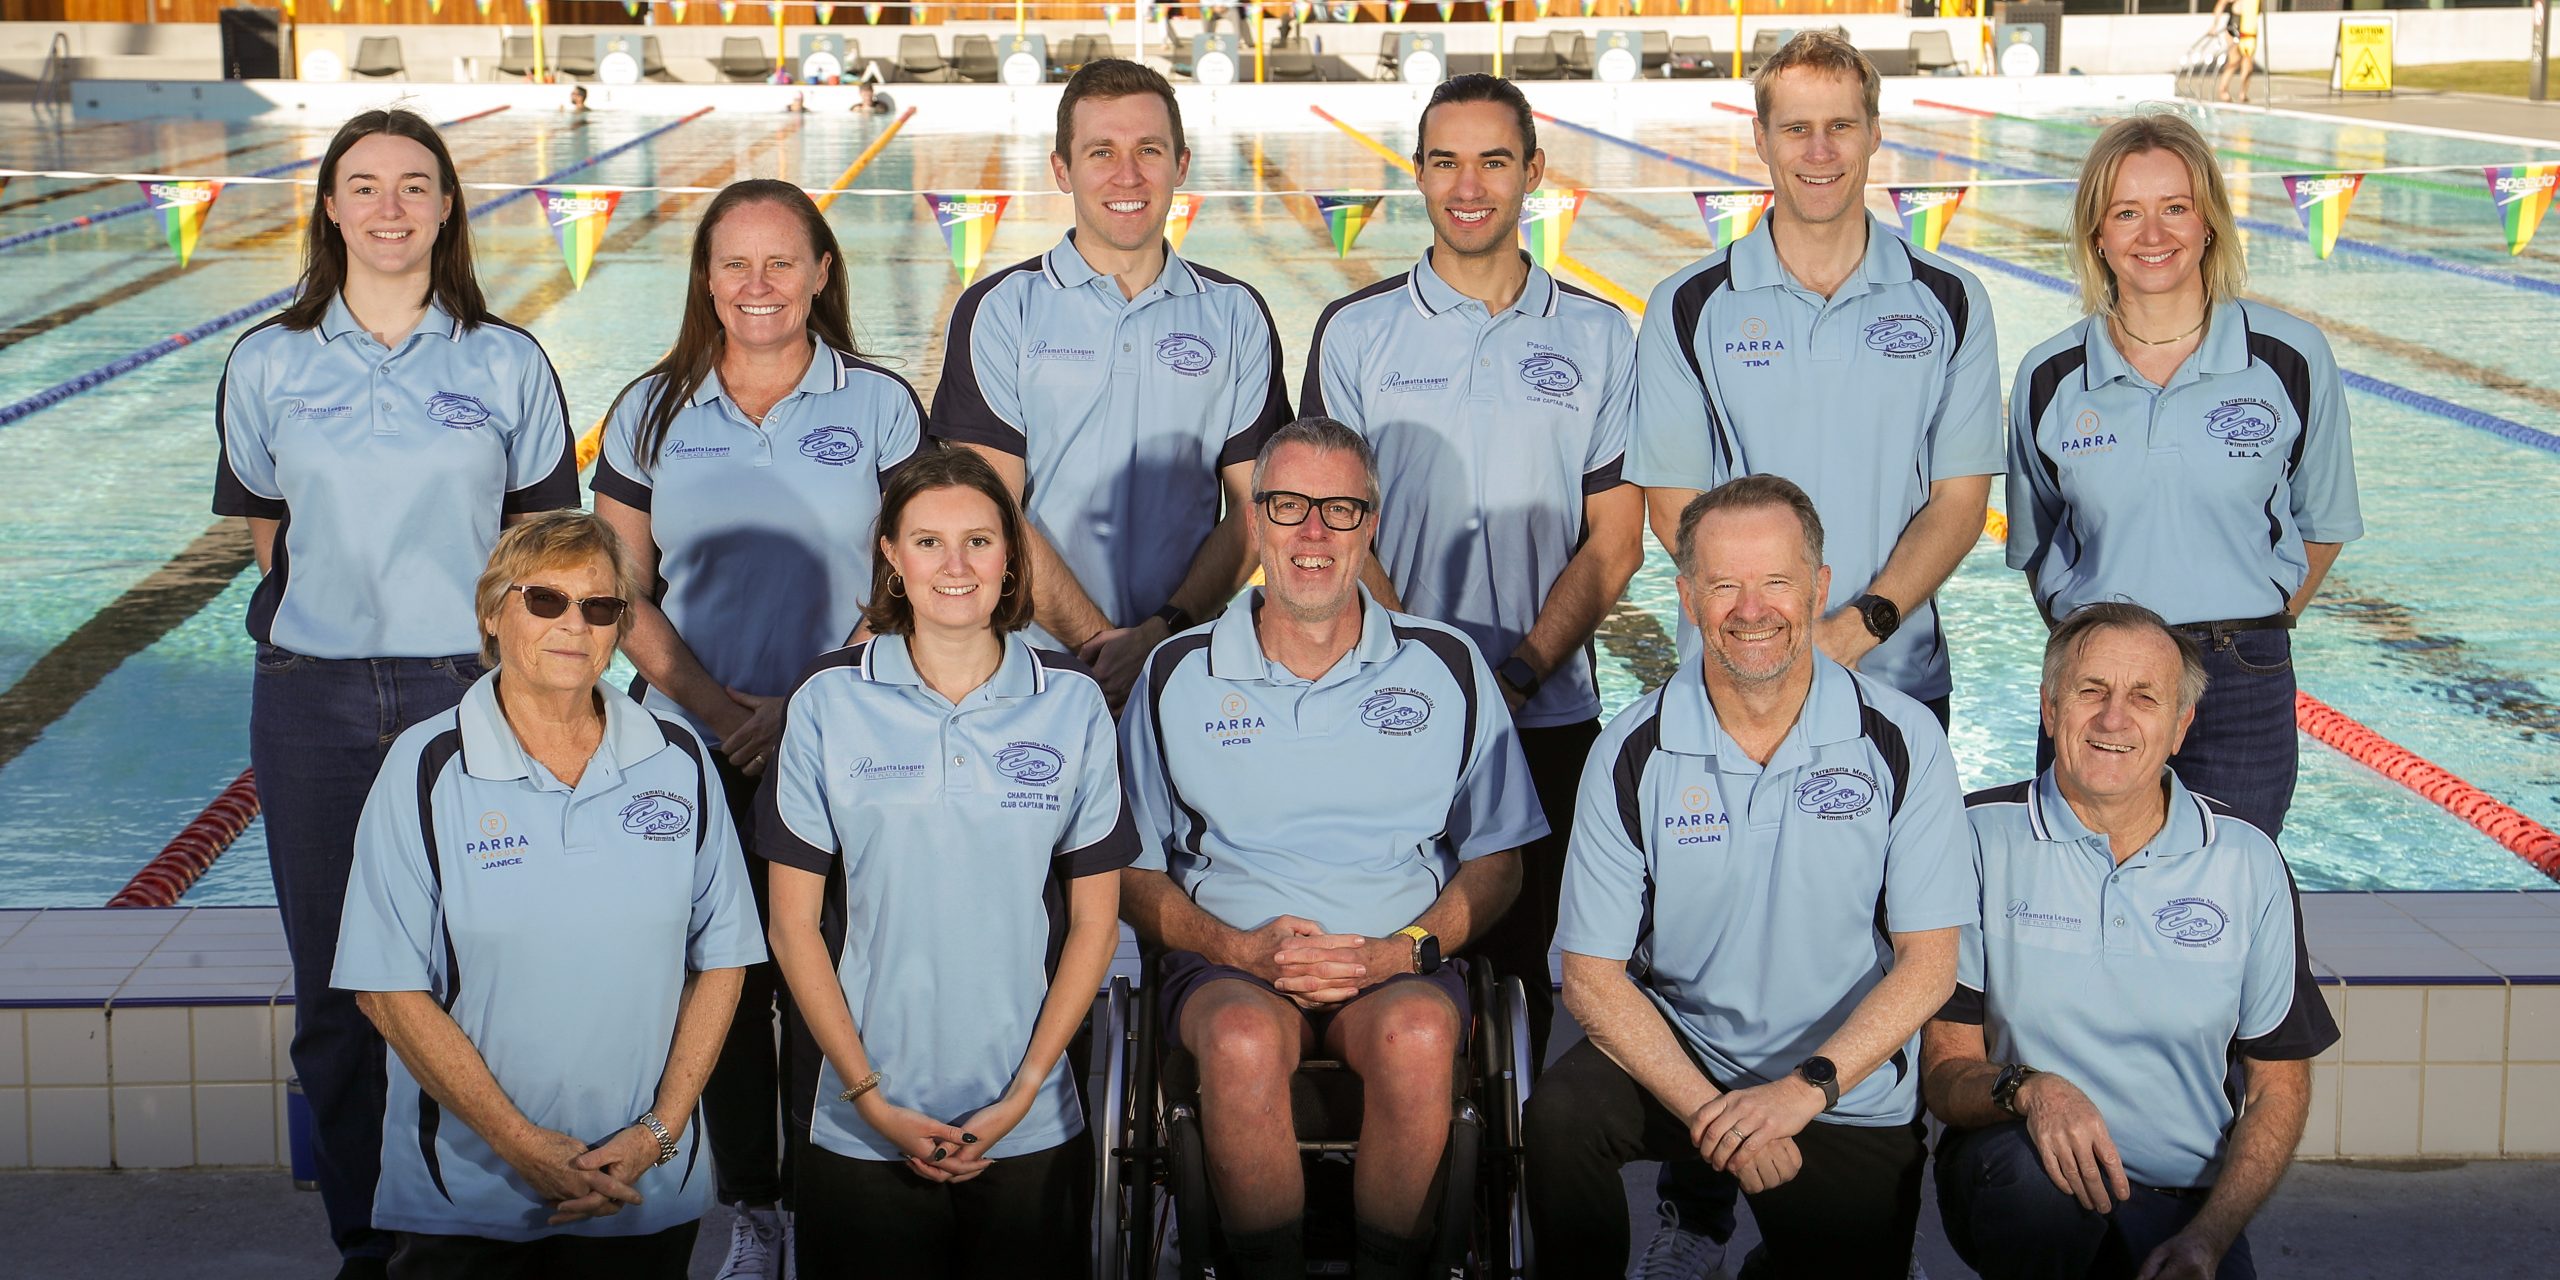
(550, 602)
(1342, 515)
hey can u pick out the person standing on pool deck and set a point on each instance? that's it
(2143, 964)
(2185, 450)
(945, 821)
(1768, 880)
(547, 919)
(376, 433)
(744, 471)
(1833, 352)
(1120, 390)
(1498, 399)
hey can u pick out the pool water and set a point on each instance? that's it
(2435, 629)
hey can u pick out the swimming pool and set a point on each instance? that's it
(2436, 629)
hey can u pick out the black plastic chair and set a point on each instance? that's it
(379, 56)
(744, 58)
(576, 57)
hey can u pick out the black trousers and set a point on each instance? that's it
(1847, 1215)
(1517, 943)
(663, 1256)
(1026, 1218)
(742, 1101)
(2008, 1221)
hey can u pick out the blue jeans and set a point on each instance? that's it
(2008, 1221)
(318, 731)
(2243, 749)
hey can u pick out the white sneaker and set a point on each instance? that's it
(757, 1245)
(1678, 1254)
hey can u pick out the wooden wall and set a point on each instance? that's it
(750, 13)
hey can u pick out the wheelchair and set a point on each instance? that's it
(1152, 1175)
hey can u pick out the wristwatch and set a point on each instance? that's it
(1523, 678)
(1883, 617)
(657, 1129)
(1818, 1072)
(2004, 1090)
(1174, 618)
(1426, 948)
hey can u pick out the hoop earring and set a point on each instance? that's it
(896, 587)
(2208, 239)
(1007, 588)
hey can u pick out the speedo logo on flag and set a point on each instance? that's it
(2523, 193)
(968, 221)
(578, 217)
(181, 208)
(1546, 218)
(1177, 219)
(1926, 211)
(1731, 215)
(2321, 200)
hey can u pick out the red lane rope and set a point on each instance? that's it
(2526, 838)
(1950, 106)
(167, 877)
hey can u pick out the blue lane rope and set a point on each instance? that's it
(125, 364)
(2506, 428)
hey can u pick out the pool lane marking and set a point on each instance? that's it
(2419, 400)
(131, 361)
(863, 161)
(143, 206)
(102, 184)
(2441, 131)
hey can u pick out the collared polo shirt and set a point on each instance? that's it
(1349, 799)
(764, 533)
(556, 924)
(2145, 983)
(949, 834)
(1758, 938)
(1491, 430)
(1863, 399)
(390, 470)
(1123, 410)
(2194, 498)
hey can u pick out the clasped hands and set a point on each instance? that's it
(1751, 1133)
(1316, 969)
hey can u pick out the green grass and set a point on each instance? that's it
(2506, 78)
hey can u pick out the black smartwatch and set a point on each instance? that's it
(1174, 619)
(1818, 1072)
(1516, 672)
(2004, 1090)
(1883, 617)
(1426, 948)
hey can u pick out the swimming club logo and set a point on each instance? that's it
(658, 815)
(496, 848)
(1033, 764)
(1755, 348)
(1043, 349)
(456, 410)
(1235, 724)
(865, 769)
(2025, 917)
(1700, 820)
(2242, 424)
(1396, 384)
(834, 446)
(1902, 337)
(685, 451)
(1186, 353)
(2191, 922)
(1836, 795)
(1397, 712)
(2088, 436)
(1550, 371)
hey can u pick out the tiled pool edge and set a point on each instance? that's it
(158, 1039)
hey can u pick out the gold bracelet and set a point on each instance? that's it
(861, 1087)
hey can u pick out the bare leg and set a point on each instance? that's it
(1403, 1042)
(1248, 1042)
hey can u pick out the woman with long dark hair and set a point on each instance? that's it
(744, 470)
(377, 434)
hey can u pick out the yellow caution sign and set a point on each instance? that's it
(2362, 63)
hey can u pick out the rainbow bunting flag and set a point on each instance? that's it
(183, 207)
(826, 15)
(871, 14)
(1541, 7)
(968, 223)
(577, 216)
(2322, 199)
(1731, 215)
(435, 7)
(1446, 7)
(2523, 193)
(1177, 220)
(1300, 10)
(1395, 10)
(728, 10)
(1590, 7)
(1546, 218)
(1926, 211)
(483, 6)
(676, 7)
(631, 8)
(1344, 217)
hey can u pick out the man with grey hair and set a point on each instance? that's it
(1761, 906)
(1330, 801)
(2136, 940)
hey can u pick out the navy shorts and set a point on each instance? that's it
(1180, 973)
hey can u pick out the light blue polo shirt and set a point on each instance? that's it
(1490, 432)
(1350, 799)
(1757, 942)
(557, 925)
(2143, 984)
(1863, 400)
(390, 469)
(2194, 498)
(765, 533)
(949, 835)
(1123, 411)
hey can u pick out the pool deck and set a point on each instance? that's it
(2424, 108)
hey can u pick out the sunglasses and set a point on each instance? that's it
(550, 602)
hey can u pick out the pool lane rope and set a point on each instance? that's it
(127, 363)
(141, 206)
(168, 876)
(2524, 837)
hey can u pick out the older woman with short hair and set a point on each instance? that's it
(547, 919)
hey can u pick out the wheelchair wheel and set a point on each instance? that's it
(1106, 1121)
